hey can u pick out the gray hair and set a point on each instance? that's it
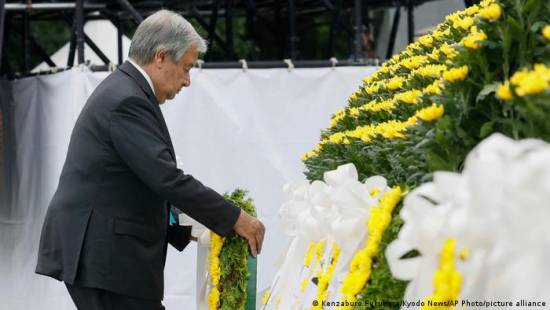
(164, 30)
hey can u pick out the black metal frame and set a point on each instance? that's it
(2, 18)
(347, 17)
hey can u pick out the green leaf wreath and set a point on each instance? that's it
(233, 259)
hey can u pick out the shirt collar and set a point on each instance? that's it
(145, 75)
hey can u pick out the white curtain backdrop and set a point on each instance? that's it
(231, 128)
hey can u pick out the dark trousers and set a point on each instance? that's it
(86, 298)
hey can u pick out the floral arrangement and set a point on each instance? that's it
(482, 235)
(228, 262)
(485, 69)
(360, 267)
(216, 243)
(326, 220)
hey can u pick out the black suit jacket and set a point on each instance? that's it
(107, 223)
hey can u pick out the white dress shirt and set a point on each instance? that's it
(145, 75)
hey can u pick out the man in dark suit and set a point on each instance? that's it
(106, 230)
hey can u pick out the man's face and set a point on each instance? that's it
(172, 76)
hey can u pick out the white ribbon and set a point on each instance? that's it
(334, 210)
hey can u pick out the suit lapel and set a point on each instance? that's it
(130, 70)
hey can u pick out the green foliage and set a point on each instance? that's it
(233, 258)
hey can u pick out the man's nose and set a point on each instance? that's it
(186, 81)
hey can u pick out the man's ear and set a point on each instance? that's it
(160, 56)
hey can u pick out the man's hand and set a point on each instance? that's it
(252, 229)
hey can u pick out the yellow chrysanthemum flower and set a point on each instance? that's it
(434, 55)
(476, 36)
(414, 62)
(410, 97)
(456, 74)
(313, 153)
(393, 68)
(395, 83)
(390, 129)
(504, 92)
(491, 12)
(447, 279)
(519, 77)
(463, 23)
(372, 89)
(338, 116)
(448, 50)
(368, 79)
(437, 35)
(532, 85)
(452, 18)
(337, 138)
(414, 47)
(375, 106)
(308, 155)
(486, 3)
(426, 40)
(394, 59)
(430, 70)
(434, 89)
(546, 32)
(433, 112)
(531, 82)
(543, 71)
(471, 11)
